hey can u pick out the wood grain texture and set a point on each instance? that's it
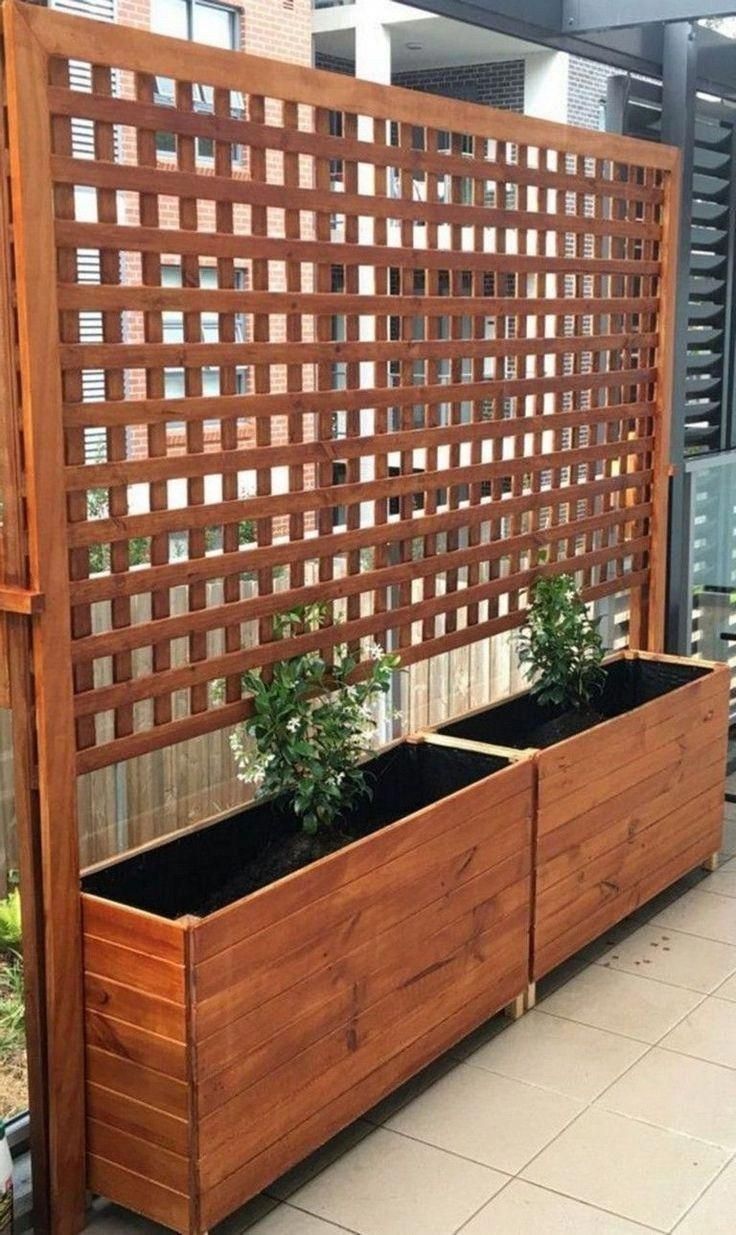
(138, 1080)
(44, 459)
(303, 1003)
(503, 416)
(624, 810)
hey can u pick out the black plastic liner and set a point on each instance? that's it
(523, 723)
(186, 872)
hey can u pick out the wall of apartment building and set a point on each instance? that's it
(500, 84)
(280, 29)
(586, 92)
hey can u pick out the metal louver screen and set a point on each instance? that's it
(88, 260)
(709, 414)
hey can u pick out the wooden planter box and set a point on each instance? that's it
(626, 808)
(222, 1049)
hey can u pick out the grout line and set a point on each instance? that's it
(480, 1209)
(701, 1195)
(348, 1230)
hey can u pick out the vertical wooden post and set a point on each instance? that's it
(35, 255)
(653, 620)
(18, 651)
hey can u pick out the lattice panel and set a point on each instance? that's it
(340, 343)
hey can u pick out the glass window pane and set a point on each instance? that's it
(170, 17)
(213, 25)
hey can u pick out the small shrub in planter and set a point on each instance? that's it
(239, 1015)
(631, 769)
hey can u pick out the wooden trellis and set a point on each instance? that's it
(404, 351)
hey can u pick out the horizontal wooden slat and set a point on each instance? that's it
(125, 1003)
(215, 617)
(617, 816)
(96, 531)
(65, 170)
(141, 1156)
(105, 698)
(106, 587)
(213, 244)
(139, 1046)
(121, 1074)
(131, 928)
(139, 970)
(89, 475)
(137, 1119)
(89, 296)
(172, 57)
(138, 1192)
(106, 753)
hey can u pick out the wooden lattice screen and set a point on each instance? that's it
(337, 335)
(285, 336)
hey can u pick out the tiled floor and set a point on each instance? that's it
(608, 1110)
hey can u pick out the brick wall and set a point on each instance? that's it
(500, 84)
(334, 64)
(586, 91)
(281, 29)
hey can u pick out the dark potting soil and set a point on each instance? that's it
(523, 722)
(218, 864)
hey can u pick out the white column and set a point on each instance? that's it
(372, 43)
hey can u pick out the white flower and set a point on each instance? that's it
(339, 778)
(375, 651)
(294, 725)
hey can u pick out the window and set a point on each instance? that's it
(202, 22)
(173, 332)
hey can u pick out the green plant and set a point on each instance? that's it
(11, 933)
(310, 724)
(139, 547)
(12, 1010)
(560, 645)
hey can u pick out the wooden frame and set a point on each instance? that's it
(521, 355)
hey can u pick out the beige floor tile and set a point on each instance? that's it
(488, 1118)
(621, 1003)
(714, 1213)
(564, 1056)
(524, 1209)
(285, 1220)
(722, 881)
(709, 1032)
(391, 1185)
(700, 913)
(728, 990)
(674, 957)
(640, 1172)
(679, 1093)
(393, 1102)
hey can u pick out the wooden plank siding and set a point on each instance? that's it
(624, 810)
(137, 1061)
(235, 1044)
